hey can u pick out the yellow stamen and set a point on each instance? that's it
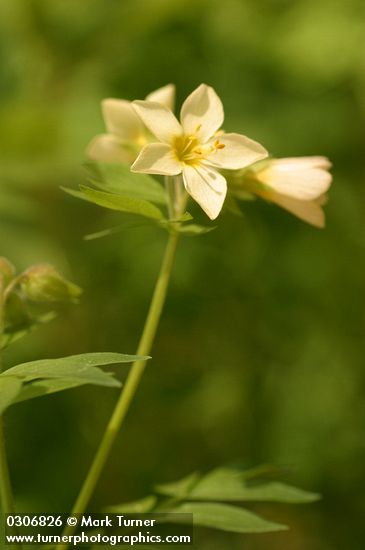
(189, 141)
(218, 144)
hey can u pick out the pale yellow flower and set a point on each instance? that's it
(296, 184)
(194, 147)
(126, 133)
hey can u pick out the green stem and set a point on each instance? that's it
(6, 492)
(131, 385)
(169, 186)
(7, 500)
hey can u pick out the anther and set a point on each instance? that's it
(218, 144)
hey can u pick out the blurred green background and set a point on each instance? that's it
(260, 353)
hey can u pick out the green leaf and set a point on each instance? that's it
(118, 179)
(181, 488)
(128, 205)
(276, 492)
(72, 367)
(186, 217)
(227, 518)
(231, 484)
(116, 229)
(47, 376)
(164, 223)
(38, 388)
(9, 390)
(103, 233)
(141, 506)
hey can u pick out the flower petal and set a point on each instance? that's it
(108, 148)
(298, 163)
(202, 113)
(207, 187)
(121, 119)
(308, 211)
(165, 96)
(157, 158)
(304, 184)
(237, 152)
(159, 120)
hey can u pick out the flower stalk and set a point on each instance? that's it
(134, 377)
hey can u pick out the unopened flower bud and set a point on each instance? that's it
(42, 283)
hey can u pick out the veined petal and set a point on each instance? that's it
(108, 148)
(207, 187)
(304, 184)
(202, 113)
(159, 120)
(301, 163)
(157, 158)
(234, 151)
(165, 96)
(121, 119)
(308, 211)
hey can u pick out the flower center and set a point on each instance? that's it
(188, 149)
